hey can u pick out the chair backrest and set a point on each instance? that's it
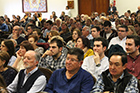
(13, 69)
(47, 72)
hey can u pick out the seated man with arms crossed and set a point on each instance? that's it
(116, 79)
(72, 78)
(30, 79)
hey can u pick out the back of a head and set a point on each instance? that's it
(4, 56)
(10, 45)
(115, 48)
(78, 52)
(27, 45)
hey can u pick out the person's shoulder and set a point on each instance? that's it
(85, 73)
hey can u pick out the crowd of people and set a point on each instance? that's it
(96, 53)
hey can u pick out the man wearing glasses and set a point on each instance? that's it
(72, 78)
(121, 38)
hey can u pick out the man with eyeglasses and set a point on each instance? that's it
(121, 38)
(72, 78)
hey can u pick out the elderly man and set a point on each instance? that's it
(30, 79)
(16, 35)
(116, 79)
(86, 32)
(72, 79)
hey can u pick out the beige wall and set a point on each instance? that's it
(10, 7)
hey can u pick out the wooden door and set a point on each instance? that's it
(88, 6)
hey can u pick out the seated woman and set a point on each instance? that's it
(33, 40)
(84, 44)
(24, 46)
(75, 34)
(7, 73)
(52, 33)
(8, 46)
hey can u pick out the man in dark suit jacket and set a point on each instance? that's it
(112, 9)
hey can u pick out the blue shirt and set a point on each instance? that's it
(4, 27)
(81, 82)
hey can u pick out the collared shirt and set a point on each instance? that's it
(52, 64)
(81, 82)
(130, 88)
(133, 66)
(89, 37)
(116, 40)
(38, 85)
(90, 65)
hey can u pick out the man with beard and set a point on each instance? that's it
(72, 78)
(54, 57)
(132, 48)
(30, 79)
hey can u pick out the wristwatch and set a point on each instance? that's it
(98, 65)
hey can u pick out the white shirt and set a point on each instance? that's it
(90, 66)
(38, 85)
(89, 37)
(116, 40)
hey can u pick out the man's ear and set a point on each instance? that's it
(60, 49)
(80, 64)
(124, 66)
(104, 48)
(138, 47)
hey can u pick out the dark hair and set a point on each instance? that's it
(103, 40)
(97, 28)
(4, 56)
(85, 41)
(27, 45)
(10, 46)
(2, 18)
(78, 52)
(50, 22)
(135, 38)
(68, 7)
(107, 23)
(123, 56)
(124, 26)
(58, 41)
(30, 25)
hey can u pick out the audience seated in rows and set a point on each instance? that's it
(72, 78)
(116, 78)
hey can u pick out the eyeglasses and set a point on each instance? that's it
(71, 59)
